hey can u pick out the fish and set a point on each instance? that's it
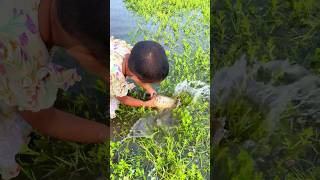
(164, 102)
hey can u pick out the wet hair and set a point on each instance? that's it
(87, 21)
(148, 61)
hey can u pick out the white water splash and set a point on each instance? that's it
(197, 89)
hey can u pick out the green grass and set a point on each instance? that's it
(291, 151)
(48, 158)
(265, 31)
(182, 153)
(183, 28)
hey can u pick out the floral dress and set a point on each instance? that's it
(119, 86)
(28, 78)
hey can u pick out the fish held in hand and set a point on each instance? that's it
(164, 102)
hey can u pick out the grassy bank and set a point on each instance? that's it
(265, 31)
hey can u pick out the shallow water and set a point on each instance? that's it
(137, 130)
(121, 20)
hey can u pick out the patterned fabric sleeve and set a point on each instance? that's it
(30, 83)
(119, 86)
(28, 78)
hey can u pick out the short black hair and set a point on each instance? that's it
(148, 61)
(86, 20)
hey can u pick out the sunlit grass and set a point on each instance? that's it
(183, 28)
(265, 31)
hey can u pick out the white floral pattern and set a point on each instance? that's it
(28, 78)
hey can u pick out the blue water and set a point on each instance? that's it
(122, 21)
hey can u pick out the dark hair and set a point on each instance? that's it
(148, 61)
(87, 21)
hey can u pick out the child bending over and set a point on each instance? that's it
(145, 63)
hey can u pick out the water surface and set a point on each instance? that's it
(122, 21)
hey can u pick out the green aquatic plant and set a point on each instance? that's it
(265, 31)
(180, 152)
(183, 27)
(290, 152)
(236, 164)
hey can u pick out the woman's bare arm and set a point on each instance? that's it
(66, 126)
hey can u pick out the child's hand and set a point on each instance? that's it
(152, 92)
(150, 103)
(149, 89)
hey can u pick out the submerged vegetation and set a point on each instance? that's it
(265, 31)
(183, 151)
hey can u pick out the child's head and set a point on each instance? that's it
(86, 20)
(148, 61)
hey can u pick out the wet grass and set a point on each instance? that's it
(183, 28)
(265, 31)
